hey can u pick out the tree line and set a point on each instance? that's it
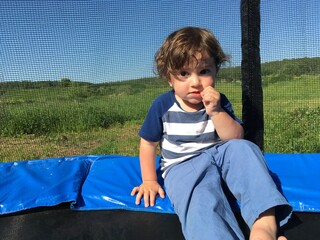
(287, 68)
(271, 72)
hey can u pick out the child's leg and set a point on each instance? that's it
(194, 188)
(247, 176)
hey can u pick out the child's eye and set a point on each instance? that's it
(183, 74)
(205, 71)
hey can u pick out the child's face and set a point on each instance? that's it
(191, 80)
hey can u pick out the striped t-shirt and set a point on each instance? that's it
(181, 134)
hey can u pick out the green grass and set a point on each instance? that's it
(105, 118)
(292, 115)
(118, 139)
(74, 109)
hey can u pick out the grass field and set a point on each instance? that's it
(104, 118)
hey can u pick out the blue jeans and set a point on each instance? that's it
(195, 189)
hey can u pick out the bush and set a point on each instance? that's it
(30, 121)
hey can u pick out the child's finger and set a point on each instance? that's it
(161, 193)
(138, 198)
(152, 199)
(146, 199)
(134, 191)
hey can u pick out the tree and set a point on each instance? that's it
(65, 82)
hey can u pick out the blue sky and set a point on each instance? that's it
(102, 41)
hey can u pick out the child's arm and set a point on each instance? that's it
(150, 187)
(226, 127)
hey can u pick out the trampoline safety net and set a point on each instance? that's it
(77, 79)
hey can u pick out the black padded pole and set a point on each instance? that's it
(252, 95)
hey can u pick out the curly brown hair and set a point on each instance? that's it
(183, 45)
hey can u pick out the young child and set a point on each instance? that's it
(202, 149)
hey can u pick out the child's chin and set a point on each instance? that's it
(195, 101)
(196, 104)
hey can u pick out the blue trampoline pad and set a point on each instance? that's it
(30, 184)
(299, 176)
(105, 182)
(109, 184)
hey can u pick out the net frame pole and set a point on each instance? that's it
(252, 94)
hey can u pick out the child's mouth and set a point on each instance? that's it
(195, 93)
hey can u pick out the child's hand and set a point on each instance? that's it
(211, 101)
(148, 190)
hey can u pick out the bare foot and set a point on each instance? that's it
(265, 227)
(282, 238)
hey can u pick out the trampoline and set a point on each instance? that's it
(88, 197)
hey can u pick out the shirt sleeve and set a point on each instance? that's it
(227, 106)
(152, 127)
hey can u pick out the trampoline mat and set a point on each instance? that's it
(60, 222)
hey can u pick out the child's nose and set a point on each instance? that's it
(195, 80)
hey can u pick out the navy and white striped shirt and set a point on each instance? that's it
(181, 134)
